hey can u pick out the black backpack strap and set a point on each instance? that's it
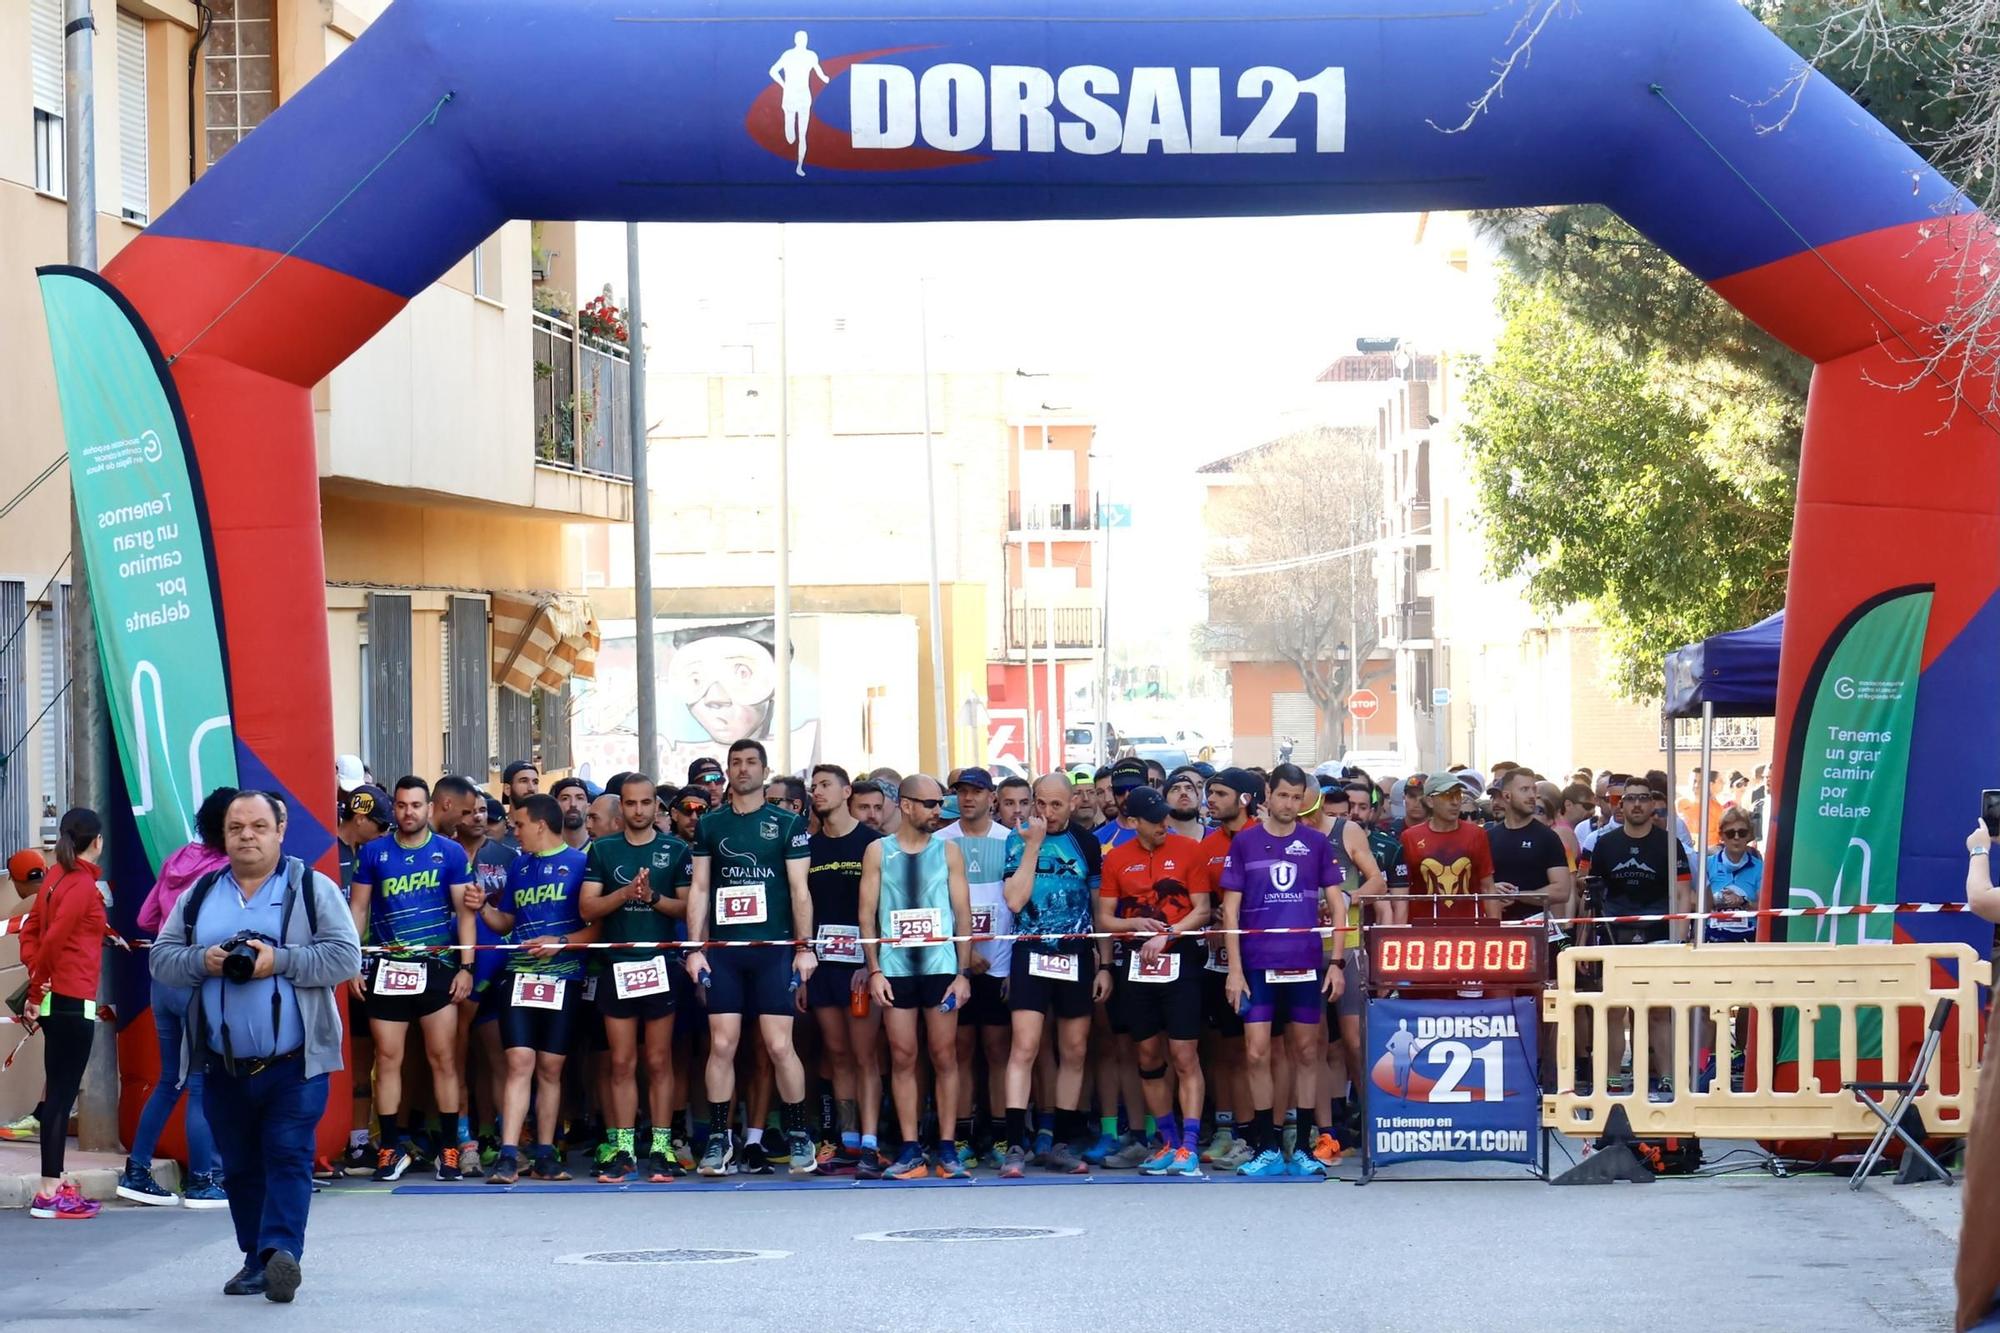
(299, 884)
(191, 904)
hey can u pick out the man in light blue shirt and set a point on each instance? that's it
(265, 1027)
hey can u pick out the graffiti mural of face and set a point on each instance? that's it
(726, 683)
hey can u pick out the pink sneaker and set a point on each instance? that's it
(65, 1205)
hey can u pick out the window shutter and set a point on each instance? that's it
(45, 54)
(132, 143)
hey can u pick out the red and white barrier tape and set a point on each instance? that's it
(1752, 913)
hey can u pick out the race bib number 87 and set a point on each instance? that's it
(741, 905)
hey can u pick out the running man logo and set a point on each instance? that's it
(904, 119)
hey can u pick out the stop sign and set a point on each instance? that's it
(1362, 705)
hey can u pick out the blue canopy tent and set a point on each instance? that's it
(1732, 674)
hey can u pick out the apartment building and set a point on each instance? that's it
(463, 452)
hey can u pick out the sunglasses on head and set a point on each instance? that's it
(710, 777)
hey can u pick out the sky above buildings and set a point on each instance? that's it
(1196, 337)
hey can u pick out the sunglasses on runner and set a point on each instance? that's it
(927, 802)
(1736, 833)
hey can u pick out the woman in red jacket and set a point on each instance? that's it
(63, 945)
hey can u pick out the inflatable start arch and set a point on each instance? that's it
(1829, 233)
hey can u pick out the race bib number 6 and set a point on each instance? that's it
(532, 990)
(741, 905)
(405, 978)
(1053, 966)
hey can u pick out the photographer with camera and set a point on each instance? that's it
(263, 943)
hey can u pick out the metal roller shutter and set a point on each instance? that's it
(45, 54)
(133, 149)
(15, 829)
(466, 751)
(1293, 714)
(389, 740)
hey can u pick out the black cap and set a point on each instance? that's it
(691, 795)
(367, 799)
(1132, 769)
(1241, 781)
(519, 766)
(564, 784)
(977, 778)
(1147, 804)
(702, 766)
(496, 813)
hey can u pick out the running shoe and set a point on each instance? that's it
(1061, 1159)
(1044, 1140)
(753, 1161)
(825, 1154)
(1265, 1163)
(324, 1169)
(911, 1165)
(683, 1152)
(204, 1191)
(870, 1165)
(391, 1163)
(1659, 1089)
(661, 1169)
(995, 1157)
(1326, 1151)
(951, 1166)
(1237, 1155)
(448, 1167)
(1221, 1145)
(841, 1163)
(281, 1277)
(1160, 1161)
(468, 1160)
(603, 1153)
(965, 1152)
(1305, 1164)
(25, 1130)
(136, 1183)
(616, 1171)
(65, 1205)
(804, 1160)
(358, 1160)
(1131, 1154)
(1014, 1164)
(506, 1170)
(547, 1166)
(1185, 1163)
(1097, 1152)
(715, 1161)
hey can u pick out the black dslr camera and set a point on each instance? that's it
(240, 960)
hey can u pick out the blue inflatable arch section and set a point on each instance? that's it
(1826, 232)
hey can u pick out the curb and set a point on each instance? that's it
(100, 1183)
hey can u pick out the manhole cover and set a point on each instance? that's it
(973, 1233)
(672, 1256)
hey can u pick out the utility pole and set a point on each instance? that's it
(939, 718)
(781, 593)
(90, 738)
(642, 518)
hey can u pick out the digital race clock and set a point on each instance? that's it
(1458, 953)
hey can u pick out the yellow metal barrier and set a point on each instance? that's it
(1896, 981)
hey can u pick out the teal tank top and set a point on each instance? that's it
(914, 884)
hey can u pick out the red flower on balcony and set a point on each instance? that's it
(604, 321)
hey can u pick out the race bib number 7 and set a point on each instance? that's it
(1053, 966)
(400, 978)
(532, 990)
(1167, 967)
(741, 905)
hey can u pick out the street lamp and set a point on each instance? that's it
(1341, 656)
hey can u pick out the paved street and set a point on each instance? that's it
(1739, 1252)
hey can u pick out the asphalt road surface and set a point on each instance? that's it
(1734, 1252)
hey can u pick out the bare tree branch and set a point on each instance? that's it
(1520, 50)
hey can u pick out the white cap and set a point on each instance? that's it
(1473, 780)
(348, 772)
(1329, 769)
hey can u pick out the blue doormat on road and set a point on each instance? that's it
(769, 1184)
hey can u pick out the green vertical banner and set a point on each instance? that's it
(1847, 802)
(145, 550)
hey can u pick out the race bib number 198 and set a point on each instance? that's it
(394, 978)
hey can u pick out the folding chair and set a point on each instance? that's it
(1905, 1090)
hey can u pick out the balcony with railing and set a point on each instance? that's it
(1044, 513)
(583, 390)
(1028, 627)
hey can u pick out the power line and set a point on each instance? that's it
(1301, 561)
(29, 489)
